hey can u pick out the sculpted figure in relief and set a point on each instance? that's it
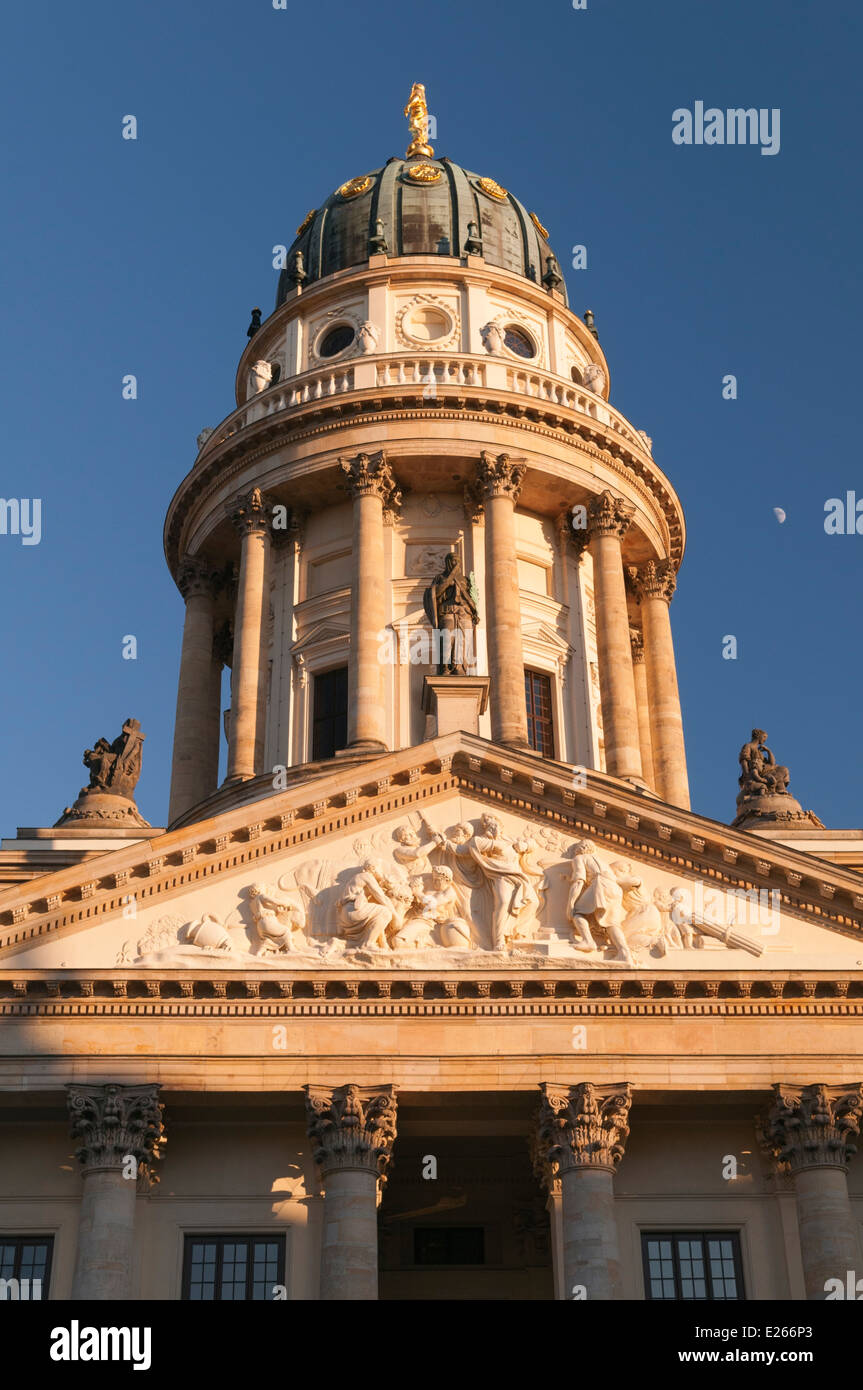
(279, 922)
(365, 912)
(596, 900)
(514, 900)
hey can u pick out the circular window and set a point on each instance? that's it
(576, 376)
(518, 342)
(336, 340)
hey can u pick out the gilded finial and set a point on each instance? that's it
(417, 113)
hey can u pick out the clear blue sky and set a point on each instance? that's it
(146, 257)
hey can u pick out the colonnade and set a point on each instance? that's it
(580, 1137)
(642, 721)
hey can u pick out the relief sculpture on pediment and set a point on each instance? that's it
(474, 893)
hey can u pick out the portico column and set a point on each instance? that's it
(498, 484)
(581, 1133)
(639, 671)
(813, 1130)
(370, 482)
(113, 1126)
(352, 1129)
(195, 765)
(654, 585)
(608, 519)
(250, 513)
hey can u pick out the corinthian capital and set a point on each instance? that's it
(814, 1126)
(251, 512)
(352, 1127)
(112, 1122)
(654, 579)
(582, 1126)
(609, 515)
(498, 476)
(196, 576)
(636, 641)
(370, 475)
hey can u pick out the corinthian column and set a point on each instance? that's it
(654, 584)
(372, 486)
(498, 484)
(581, 1133)
(813, 1130)
(608, 519)
(195, 765)
(352, 1129)
(639, 672)
(250, 513)
(113, 1126)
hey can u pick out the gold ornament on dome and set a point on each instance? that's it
(494, 190)
(424, 173)
(543, 231)
(306, 220)
(417, 113)
(354, 187)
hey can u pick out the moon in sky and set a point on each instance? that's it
(779, 514)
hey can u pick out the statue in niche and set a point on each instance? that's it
(280, 923)
(596, 900)
(760, 774)
(496, 861)
(451, 609)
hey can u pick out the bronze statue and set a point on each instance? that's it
(451, 609)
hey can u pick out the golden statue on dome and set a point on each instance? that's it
(417, 113)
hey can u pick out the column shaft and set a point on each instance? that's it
(370, 482)
(828, 1229)
(119, 1133)
(655, 582)
(249, 670)
(106, 1236)
(591, 1258)
(499, 484)
(352, 1130)
(608, 519)
(194, 769)
(349, 1250)
(811, 1132)
(639, 671)
(366, 708)
(581, 1135)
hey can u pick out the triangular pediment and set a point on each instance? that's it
(348, 869)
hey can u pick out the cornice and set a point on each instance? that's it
(607, 810)
(545, 419)
(548, 992)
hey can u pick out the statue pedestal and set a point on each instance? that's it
(96, 809)
(453, 703)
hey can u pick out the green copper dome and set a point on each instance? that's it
(419, 207)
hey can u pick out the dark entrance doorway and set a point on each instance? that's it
(476, 1230)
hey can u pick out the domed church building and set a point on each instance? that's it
(433, 985)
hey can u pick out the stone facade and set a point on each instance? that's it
(445, 1010)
